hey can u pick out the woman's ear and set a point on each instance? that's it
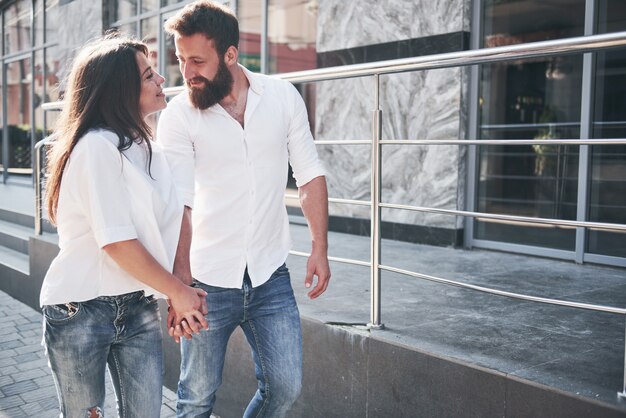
(231, 55)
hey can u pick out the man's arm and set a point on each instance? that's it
(182, 267)
(314, 202)
(182, 270)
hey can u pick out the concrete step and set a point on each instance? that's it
(17, 217)
(14, 260)
(15, 236)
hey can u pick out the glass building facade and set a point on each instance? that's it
(30, 76)
(561, 97)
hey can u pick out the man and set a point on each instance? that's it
(229, 140)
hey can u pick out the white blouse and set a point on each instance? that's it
(106, 197)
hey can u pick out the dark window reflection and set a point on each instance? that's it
(530, 99)
(607, 183)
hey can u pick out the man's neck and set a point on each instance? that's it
(239, 90)
(235, 103)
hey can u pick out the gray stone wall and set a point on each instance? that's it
(420, 105)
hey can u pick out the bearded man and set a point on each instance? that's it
(228, 140)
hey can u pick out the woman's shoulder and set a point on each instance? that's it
(96, 145)
(98, 140)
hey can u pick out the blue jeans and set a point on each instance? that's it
(123, 332)
(269, 318)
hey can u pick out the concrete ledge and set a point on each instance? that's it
(348, 373)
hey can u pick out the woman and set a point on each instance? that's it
(118, 218)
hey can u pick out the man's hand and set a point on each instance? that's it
(186, 313)
(317, 265)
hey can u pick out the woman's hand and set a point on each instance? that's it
(186, 313)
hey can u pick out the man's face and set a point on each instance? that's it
(206, 74)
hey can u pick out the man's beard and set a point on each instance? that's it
(212, 91)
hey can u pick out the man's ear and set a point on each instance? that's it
(231, 55)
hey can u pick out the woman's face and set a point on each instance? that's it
(151, 97)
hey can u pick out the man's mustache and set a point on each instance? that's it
(197, 80)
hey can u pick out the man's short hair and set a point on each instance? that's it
(210, 18)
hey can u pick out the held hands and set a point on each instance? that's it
(185, 316)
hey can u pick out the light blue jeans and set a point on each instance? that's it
(269, 318)
(123, 332)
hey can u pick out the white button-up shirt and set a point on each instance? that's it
(106, 197)
(234, 178)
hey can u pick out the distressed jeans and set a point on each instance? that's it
(269, 318)
(123, 332)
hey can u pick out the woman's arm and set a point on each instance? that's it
(186, 301)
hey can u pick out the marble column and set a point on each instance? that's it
(418, 105)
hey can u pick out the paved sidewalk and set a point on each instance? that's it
(26, 385)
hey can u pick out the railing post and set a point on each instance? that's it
(38, 169)
(375, 321)
(622, 394)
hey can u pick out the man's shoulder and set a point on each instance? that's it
(272, 83)
(178, 107)
(180, 101)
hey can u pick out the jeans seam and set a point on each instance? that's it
(122, 403)
(267, 383)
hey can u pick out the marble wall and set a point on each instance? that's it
(419, 105)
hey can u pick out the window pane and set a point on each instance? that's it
(129, 29)
(39, 97)
(149, 5)
(149, 33)
(53, 77)
(122, 9)
(607, 187)
(292, 30)
(52, 20)
(17, 27)
(19, 83)
(530, 99)
(249, 15)
(170, 2)
(172, 73)
(38, 22)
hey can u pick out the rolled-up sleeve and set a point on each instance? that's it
(174, 138)
(96, 179)
(303, 156)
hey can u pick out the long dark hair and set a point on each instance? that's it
(103, 90)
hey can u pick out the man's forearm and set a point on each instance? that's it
(182, 267)
(314, 203)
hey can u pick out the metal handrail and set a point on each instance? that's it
(573, 45)
(431, 62)
(38, 192)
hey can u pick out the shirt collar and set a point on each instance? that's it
(256, 82)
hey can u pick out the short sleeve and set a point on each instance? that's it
(175, 140)
(96, 178)
(303, 156)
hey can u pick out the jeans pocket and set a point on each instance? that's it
(62, 312)
(150, 300)
(280, 273)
